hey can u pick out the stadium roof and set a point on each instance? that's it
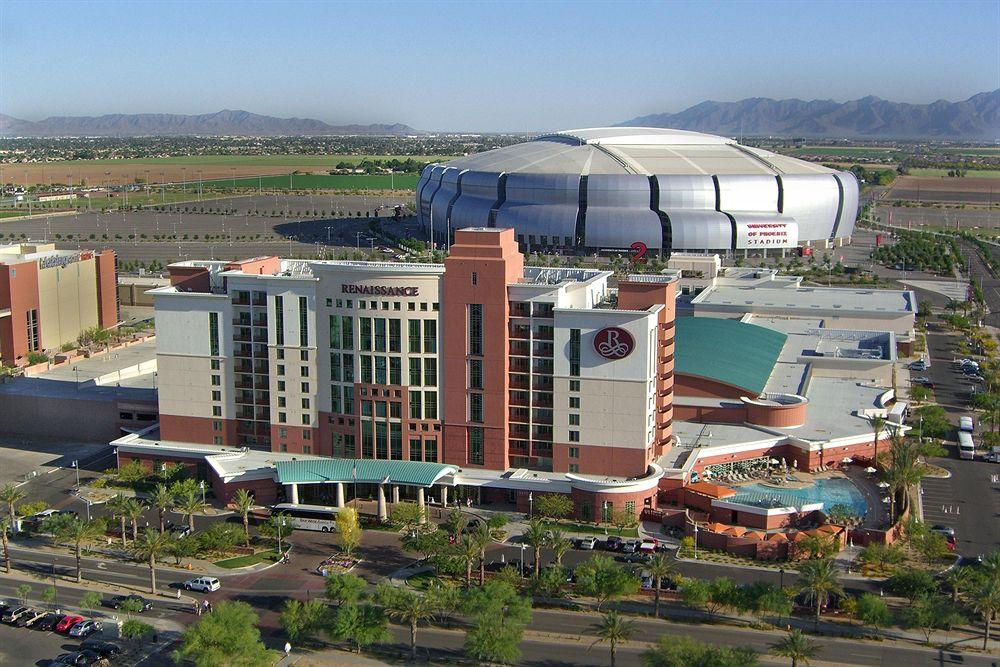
(413, 473)
(729, 351)
(634, 151)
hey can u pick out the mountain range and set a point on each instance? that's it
(977, 118)
(221, 123)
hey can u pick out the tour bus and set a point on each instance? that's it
(966, 424)
(309, 517)
(966, 447)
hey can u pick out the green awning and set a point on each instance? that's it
(318, 471)
(729, 351)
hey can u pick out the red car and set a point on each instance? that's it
(68, 622)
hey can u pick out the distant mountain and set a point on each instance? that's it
(221, 123)
(977, 118)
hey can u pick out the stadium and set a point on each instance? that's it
(605, 189)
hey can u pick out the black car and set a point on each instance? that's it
(11, 615)
(101, 647)
(637, 557)
(47, 623)
(613, 543)
(80, 658)
(117, 601)
(29, 617)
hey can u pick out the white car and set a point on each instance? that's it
(588, 543)
(203, 584)
(84, 629)
(648, 545)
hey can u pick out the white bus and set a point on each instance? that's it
(309, 517)
(966, 447)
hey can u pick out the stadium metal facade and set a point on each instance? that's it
(609, 188)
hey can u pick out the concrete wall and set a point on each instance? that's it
(59, 418)
(68, 302)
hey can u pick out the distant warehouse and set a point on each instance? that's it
(609, 188)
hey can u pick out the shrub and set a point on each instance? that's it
(37, 358)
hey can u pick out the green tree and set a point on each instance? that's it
(554, 505)
(243, 503)
(344, 588)
(444, 597)
(911, 583)
(132, 510)
(535, 537)
(877, 422)
(219, 538)
(4, 527)
(795, 646)
(498, 617)
(550, 582)
(348, 530)
(695, 593)
(985, 601)
(407, 607)
(119, 511)
(929, 613)
(277, 527)
(302, 620)
(48, 594)
(182, 548)
(90, 601)
(723, 593)
(10, 495)
(673, 651)
(162, 499)
(872, 610)
(603, 579)
(189, 504)
(613, 629)
(152, 544)
(227, 636)
(621, 520)
(409, 516)
(77, 531)
(818, 580)
(22, 592)
(467, 550)
(559, 544)
(137, 630)
(957, 579)
(456, 522)
(659, 568)
(362, 625)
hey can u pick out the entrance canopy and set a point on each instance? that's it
(318, 471)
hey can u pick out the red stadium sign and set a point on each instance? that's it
(613, 343)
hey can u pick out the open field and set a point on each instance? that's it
(981, 191)
(939, 219)
(943, 173)
(319, 182)
(853, 151)
(180, 169)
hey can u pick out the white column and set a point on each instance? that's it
(420, 504)
(293, 493)
(395, 494)
(340, 494)
(444, 496)
(382, 514)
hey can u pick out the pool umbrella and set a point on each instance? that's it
(886, 499)
(774, 462)
(870, 470)
(847, 459)
(883, 485)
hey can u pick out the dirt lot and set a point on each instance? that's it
(951, 190)
(949, 218)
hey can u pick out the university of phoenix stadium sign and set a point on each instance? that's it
(380, 290)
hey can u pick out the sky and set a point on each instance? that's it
(476, 66)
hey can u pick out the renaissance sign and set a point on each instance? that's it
(380, 290)
(613, 343)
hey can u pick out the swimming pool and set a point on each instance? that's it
(830, 492)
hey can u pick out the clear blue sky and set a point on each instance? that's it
(476, 66)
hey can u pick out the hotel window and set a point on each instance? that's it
(347, 333)
(367, 440)
(415, 451)
(216, 364)
(216, 395)
(281, 418)
(348, 368)
(281, 369)
(411, 306)
(349, 451)
(216, 381)
(305, 403)
(366, 369)
(574, 352)
(396, 442)
(475, 374)
(414, 336)
(281, 401)
(395, 370)
(279, 320)
(348, 400)
(423, 307)
(476, 408)
(306, 449)
(574, 385)
(335, 331)
(305, 420)
(380, 334)
(381, 441)
(430, 336)
(395, 333)
(574, 420)
(279, 354)
(574, 452)
(574, 467)
(281, 385)
(574, 436)
(380, 370)
(303, 321)
(335, 368)
(415, 371)
(415, 400)
(430, 372)
(335, 399)
(216, 440)
(303, 371)
(216, 410)
(395, 410)
(430, 405)
(430, 450)
(365, 333)
(329, 302)
(216, 426)
(282, 447)
(475, 278)
(380, 409)
(282, 432)
(476, 329)
(574, 402)
(213, 334)
(476, 445)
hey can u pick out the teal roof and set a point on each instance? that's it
(312, 471)
(728, 351)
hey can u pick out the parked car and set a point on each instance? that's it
(203, 584)
(922, 381)
(47, 623)
(947, 531)
(637, 557)
(11, 615)
(67, 622)
(29, 618)
(80, 658)
(919, 365)
(630, 547)
(84, 629)
(117, 601)
(102, 648)
(613, 543)
(587, 543)
(648, 545)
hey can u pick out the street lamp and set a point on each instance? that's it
(531, 499)
(76, 464)
(696, 541)
(522, 560)
(201, 485)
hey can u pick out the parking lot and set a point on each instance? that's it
(968, 501)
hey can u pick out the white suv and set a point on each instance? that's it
(203, 584)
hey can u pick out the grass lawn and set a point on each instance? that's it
(971, 173)
(589, 529)
(422, 581)
(14, 214)
(245, 561)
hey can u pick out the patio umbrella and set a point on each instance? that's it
(870, 470)
(883, 485)
(886, 499)
(774, 462)
(847, 459)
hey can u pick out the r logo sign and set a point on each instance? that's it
(613, 343)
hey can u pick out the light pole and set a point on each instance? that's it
(76, 464)
(88, 508)
(201, 484)
(522, 560)
(696, 541)
(531, 499)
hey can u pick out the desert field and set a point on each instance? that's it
(980, 191)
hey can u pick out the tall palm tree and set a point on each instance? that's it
(189, 504)
(534, 536)
(243, 502)
(117, 507)
(482, 537)
(152, 544)
(559, 544)
(986, 602)
(659, 568)
(877, 422)
(409, 608)
(4, 525)
(904, 470)
(132, 508)
(79, 532)
(612, 629)
(162, 499)
(957, 579)
(468, 551)
(10, 494)
(796, 646)
(818, 579)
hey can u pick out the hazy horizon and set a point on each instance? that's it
(465, 67)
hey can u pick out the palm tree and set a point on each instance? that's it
(986, 602)
(904, 470)
(132, 509)
(79, 532)
(4, 525)
(243, 502)
(534, 536)
(559, 544)
(957, 578)
(10, 494)
(117, 507)
(468, 551)
(482, 537)
(162, 499)
(152, 544)
(189, 504)
(612, 629)
(877, 422)
(818, 579)
(409, 608)
(796, 646)
(659, 567)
